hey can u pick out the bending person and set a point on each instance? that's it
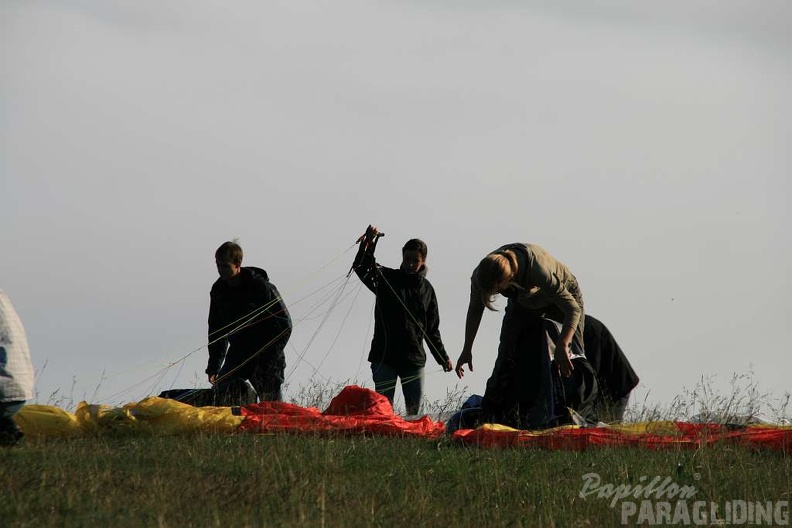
(406, 314)
(524, 386)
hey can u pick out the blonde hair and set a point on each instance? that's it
(491, 271)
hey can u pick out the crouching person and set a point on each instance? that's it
(615, 374)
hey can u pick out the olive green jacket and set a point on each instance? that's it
(542, 283)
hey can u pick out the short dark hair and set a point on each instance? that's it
(229, 252)
(416, 244)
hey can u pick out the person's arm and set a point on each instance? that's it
(472, 322)
(217, 342)
(549, 282)
(279, 317)
(365, 265)
(561, 354)
(433, 333)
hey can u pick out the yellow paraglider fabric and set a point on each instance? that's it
(153, 414)
(46, 420)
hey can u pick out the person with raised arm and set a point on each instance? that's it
(406, 315)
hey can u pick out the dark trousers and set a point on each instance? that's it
(412, 381)
(525, 389)
(9, 431)
(264, 370)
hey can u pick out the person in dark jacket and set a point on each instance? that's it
(406, 315)
(249, 327)
(616, 376)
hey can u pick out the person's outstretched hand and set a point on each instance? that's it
(466, 357)
(561, 356)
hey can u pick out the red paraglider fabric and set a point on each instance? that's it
(653, 435)
(354, 410)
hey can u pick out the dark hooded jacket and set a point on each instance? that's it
(256, 307)
(616, 375)
(406, 313)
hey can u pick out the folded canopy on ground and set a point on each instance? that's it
(359, 411)
(651, 435)
(355, 410)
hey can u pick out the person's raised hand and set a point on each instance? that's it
(370, 234)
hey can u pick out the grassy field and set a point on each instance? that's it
(290, 480)
(241, 480)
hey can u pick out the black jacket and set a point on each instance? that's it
(253, 311)
(616, 376)
(406, 313)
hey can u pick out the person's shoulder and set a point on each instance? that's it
(594, 326)
(593, 320)
(539, 255)
(253, 273)
(514, 245)
(521, 250)
(217, 286)
(258, 279)
(389, 272)
(426, 285)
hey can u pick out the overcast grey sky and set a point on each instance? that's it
(646, 145)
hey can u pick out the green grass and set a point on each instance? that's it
(200, 480)
(294, 480)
